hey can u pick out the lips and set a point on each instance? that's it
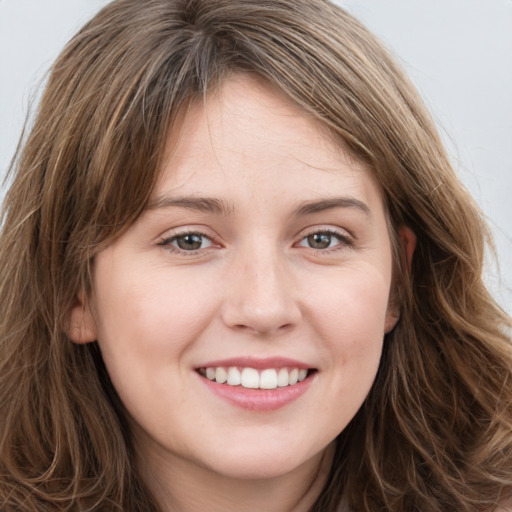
(257, 384)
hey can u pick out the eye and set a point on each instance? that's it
(322, 240)
(187, 242)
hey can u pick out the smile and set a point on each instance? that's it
(251, 378)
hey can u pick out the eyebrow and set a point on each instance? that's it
(200, 204)
(321, 205)
(220, 207)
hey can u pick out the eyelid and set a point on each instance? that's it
(345, 238)
(169, 236)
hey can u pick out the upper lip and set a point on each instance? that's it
(256, 363)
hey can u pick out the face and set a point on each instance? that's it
(241, 319)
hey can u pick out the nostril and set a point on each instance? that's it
(263, 329)
(242, 327)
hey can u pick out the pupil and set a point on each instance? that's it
(319, 240)
(189, 242)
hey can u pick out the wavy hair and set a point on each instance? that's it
(435, 432)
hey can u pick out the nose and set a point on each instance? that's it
(260, 296)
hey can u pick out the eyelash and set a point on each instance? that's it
(167, 243)
(344, 241)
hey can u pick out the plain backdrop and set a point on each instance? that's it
(458, 53)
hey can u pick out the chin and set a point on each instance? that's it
(261, 465)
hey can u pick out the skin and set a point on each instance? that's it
(255, 288)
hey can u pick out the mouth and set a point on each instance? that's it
(252, 378)
(257, 384)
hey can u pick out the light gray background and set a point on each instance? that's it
(458, 52)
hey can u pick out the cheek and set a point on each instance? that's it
(350, 313)
(347, 312)
(149, 316)
(355, 300)
(146, 324)
(152, 307)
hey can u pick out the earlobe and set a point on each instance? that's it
(82, 325)
(392, 317)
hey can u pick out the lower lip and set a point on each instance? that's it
(261, 400)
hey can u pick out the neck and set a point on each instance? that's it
(181, 486)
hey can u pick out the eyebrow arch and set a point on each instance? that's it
(310, 207)
(220, 207)
(200, 204)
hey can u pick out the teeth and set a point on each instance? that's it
(282, 378)
(294, 377)
(268, 379)
(220, 375)
(251, 378)
(234, 377)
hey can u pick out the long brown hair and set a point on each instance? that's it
(435, 433)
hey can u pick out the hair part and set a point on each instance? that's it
(434, 433)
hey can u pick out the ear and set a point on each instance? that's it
(407, 246)
(407, 240)
(82, 325)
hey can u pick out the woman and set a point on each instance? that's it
(238, 272)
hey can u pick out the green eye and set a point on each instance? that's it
(187, 242)
(320, 240)
(190, 242)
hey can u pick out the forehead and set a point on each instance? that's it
(248, 133)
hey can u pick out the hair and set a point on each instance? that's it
(435, 432)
